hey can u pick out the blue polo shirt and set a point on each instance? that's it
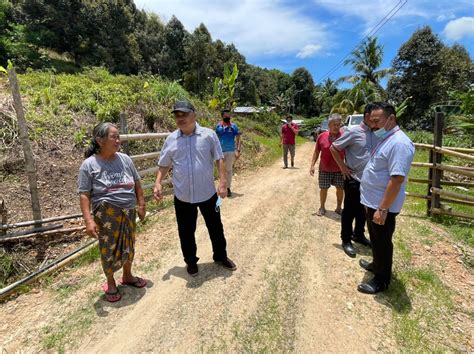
(227, 134)
(357, 143)
(391, 157)
(192, 157)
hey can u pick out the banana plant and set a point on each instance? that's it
(224, 89)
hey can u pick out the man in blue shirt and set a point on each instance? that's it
(357, 144)
(192, 150)
(383, 192)
(229, 137)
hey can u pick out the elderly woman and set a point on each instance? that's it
(109, 182)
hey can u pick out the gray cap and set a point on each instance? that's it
(183, 106)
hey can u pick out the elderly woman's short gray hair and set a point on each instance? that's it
(334, 117)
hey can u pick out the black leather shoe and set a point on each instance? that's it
(192, 270)
(362, 240)
(368, 266)
(371, 287)
(227, 264)
(348, 249)
(229, 193)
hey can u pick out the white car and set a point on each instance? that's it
(353, 120)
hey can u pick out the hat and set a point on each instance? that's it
(183, 106)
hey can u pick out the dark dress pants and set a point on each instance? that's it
(382, 246)
(352, 210)
(186, 216)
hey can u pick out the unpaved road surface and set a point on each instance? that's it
(294, 289)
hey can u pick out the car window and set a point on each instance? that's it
(355, 120)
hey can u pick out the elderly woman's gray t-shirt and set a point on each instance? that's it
(110, 181)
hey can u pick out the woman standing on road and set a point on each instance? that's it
(109, 182)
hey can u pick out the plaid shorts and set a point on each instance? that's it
(326, 179)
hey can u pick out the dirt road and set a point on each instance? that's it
(294, 289)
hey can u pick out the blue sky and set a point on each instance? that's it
(317, 34)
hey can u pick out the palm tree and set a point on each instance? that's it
(325, 94)
(365, 61)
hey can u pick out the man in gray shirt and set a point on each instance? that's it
(191, 150)
(357, 144)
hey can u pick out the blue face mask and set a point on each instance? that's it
(381, 133)
(218, 204)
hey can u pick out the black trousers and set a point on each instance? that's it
(352, 210)
(186, 216)
(382, 246)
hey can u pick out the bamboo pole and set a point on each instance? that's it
(149, 171)
(430, 165)
(134, 137)
(149, 155)
(59, 263)
(25, 141)
(417, 195)
(449, 200)
(42, 221)
(459, 196)
(447, 183)
(4, 214)
(430, 146)
(45, 233)
(452, 213)
(124, 131)
(454, 153)
(455, 169)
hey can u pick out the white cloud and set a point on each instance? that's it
(256, 27)
(309, 51)
(459, 28)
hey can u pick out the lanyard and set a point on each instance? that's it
(382, 141)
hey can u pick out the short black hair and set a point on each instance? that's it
(368, 108)
(224, 111)
(289, 116)
(387, 108)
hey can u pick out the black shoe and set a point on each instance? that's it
(285, 167)
(368, 266)
(348, 249)
(227, 264)
(229, 193)
(292, 164)
(362, 240)
(371, 287)
(192, 269)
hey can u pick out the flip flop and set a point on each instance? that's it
(111, 297)
(139, 283)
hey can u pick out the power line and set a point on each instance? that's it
(372, 32)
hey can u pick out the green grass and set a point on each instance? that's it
(423, 318)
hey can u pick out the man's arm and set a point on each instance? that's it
(346, 172)
(157, 190)
(222, 186)
(237, 142)
(314, 160)
(391, 193)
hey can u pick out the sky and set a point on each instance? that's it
(319, 34)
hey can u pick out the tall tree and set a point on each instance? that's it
(366, 60)
(172, 56)
(304, 92)
(200, 54)
(416, 72)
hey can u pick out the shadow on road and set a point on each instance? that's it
(130, 296)
(207, 271)
(395, 297)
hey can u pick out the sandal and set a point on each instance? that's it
(338, 211)
(138, 283)
(321, 212)
(111, 297)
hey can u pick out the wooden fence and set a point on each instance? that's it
(437, 198)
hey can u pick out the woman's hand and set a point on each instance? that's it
(91, 229)
(141, 212)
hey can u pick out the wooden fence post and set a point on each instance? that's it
(124, 130)
(436, 158)
(28, 153)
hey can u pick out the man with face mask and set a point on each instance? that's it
(229, 137)
(289, 131)
(383, 192)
